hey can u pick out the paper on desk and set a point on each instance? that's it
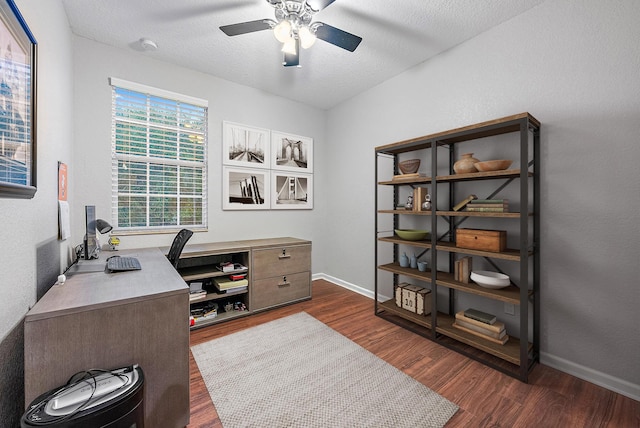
(63, 219)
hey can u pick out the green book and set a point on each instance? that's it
(480, 316)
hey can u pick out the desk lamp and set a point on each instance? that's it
(103, 227)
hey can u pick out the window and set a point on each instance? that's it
(159, 159)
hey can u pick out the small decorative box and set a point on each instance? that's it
(413, 298)
(483, 240)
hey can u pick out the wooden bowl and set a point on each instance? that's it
(409, 166)
(493, 165)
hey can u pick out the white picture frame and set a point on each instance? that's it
(245, 146)
(291, 152)
(246, 188)
(291, 191)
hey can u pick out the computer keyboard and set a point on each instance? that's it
(119, 264)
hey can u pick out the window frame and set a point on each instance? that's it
(149, 161)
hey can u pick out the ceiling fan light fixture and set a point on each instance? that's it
(307, 37)
(282, 31)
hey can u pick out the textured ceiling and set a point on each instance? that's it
(397, 34)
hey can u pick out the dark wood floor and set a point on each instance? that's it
(485, 397)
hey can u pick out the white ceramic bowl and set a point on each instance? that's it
(487, 279)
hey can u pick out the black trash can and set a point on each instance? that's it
(96, 398)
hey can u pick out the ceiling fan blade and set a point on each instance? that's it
(338, 37)
(292, 60)
(247, 27)
(318, 5)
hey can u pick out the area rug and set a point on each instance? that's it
(298, 372)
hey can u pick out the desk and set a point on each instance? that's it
(110, 320)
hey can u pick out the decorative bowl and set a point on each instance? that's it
(488, 279)
(409, 166)
(412, 234)
(493, 165)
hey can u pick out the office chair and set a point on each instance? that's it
(178, 244)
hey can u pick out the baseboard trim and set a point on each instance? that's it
(349, 286)
(604, 380)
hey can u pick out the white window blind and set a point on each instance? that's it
(159, 159)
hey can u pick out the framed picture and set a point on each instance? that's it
(291, 191)
(245, 146)
(291, 152)
(18, 53)
(245, 189)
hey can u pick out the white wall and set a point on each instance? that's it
(574, 66)
(91, 172)
(30, 252)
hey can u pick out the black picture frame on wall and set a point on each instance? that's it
(18, 72)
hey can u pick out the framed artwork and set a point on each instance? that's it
(245, 189)
(291, 191)
(291, 152)
(245, 146)
(18, 53)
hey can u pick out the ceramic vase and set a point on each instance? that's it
(404, 260)
(464, 165)
(414, 262)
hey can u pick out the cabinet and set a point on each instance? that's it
(281, 275)
(278, 272)
(517, 135)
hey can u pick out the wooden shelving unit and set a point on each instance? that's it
(521, 351)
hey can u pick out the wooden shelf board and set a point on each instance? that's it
(218, 296)
(224, 316)
(508, 254)
(507, 173)
(515, 215)
(404, 212)
(414, 273)
(420, 180)
(395, 239)
(509, 294)
(490, 128)
(204, 272)
(390, 306)
(510, 351)
(488, 175)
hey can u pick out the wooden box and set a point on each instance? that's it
(483, 240)
(413, 298)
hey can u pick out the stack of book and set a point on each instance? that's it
(206, 312)
(228, 285)
(488, 205)
(481, 324)
(462, 269)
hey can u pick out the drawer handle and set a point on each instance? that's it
(284, 254)
(284, 282)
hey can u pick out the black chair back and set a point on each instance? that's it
(178, 244)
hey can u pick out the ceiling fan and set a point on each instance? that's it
(294, 28)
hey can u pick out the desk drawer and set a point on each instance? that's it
(280, 261)
(279, 290)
